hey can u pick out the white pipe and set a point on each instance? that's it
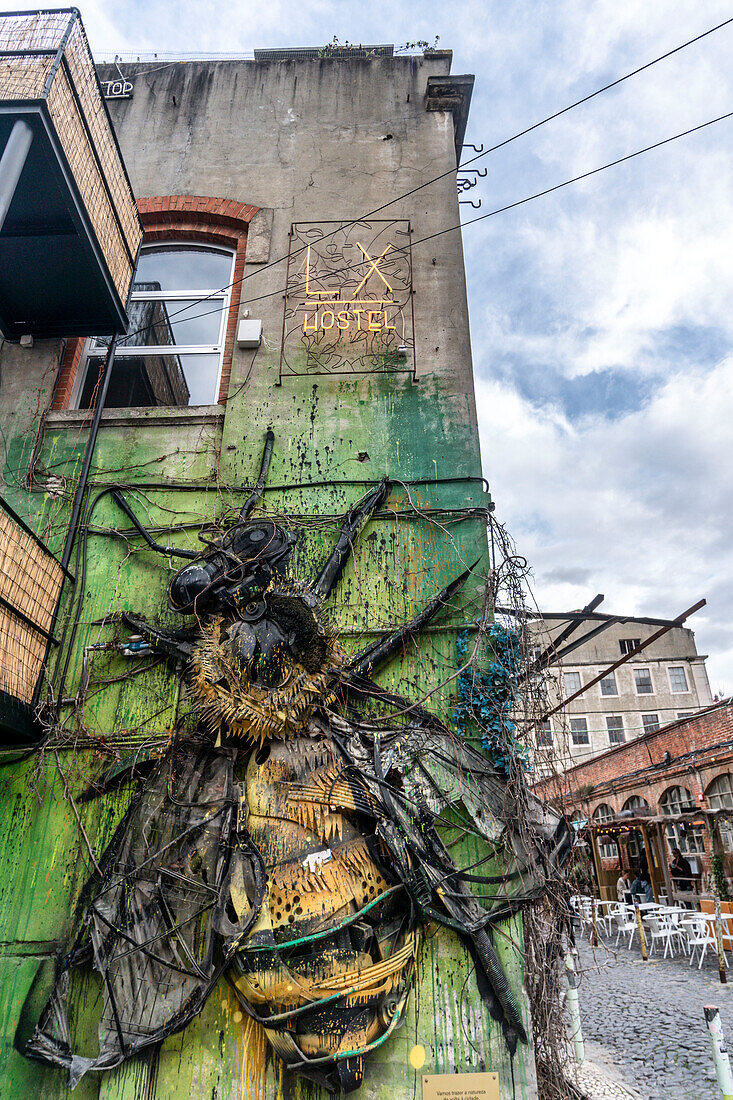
(574, 1009)
(12, 163)
(720, 1052)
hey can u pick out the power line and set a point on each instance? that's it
(492, 149)
(472, 221)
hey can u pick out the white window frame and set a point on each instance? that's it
(565, 691)
(674, 690)
(651, 681)
(606, 851)
(608, 694)
(579, 718)
(622, 729)
(719, 793)
(649, 728)
(96, 352)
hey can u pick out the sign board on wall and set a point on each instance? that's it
(117, 89)
(461, 1086)
(348, 301)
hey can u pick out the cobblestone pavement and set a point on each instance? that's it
(643, 1021)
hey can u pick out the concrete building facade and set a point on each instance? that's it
(665, 682)
(289, 175)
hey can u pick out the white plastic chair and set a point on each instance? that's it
(660, 927)
(699, 934)
(625, 924)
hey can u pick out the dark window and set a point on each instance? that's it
(628, 644)
(643, 679)
(615, 727)
(608, 684)
(544, 734)
(579, 731)
(650, 722)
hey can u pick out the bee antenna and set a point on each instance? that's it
(254, 497)
(383, 648)
(357, 515)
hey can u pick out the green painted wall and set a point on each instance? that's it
(189, 470)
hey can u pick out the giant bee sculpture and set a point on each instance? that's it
(301, 838)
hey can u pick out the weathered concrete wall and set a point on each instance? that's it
(304, 141)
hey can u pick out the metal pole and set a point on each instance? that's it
(719, 943)
(574, 1009)
(12, 164)
(720, 1052)
(640, 928)
(91, 442)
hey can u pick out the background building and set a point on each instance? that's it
(669, 787)
(666, 681)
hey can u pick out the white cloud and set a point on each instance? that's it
(641, 504)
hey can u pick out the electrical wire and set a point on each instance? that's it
(279, 291)
(463, 164)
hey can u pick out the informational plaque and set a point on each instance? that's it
(460, 1086)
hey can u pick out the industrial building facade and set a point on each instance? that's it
(300, 273)
(664, 682)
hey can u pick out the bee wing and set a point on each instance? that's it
(153, 914)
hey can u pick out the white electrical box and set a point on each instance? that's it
(249, 334)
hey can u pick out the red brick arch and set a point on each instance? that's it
(191, 218)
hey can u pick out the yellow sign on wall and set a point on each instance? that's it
(348, 303)
(461, 1086)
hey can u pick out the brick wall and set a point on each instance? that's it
(690, 753)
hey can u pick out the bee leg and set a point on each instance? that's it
(357, 515)
(381, 650)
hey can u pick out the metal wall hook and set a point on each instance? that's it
(465, 185)
(476, 148)
(469, 202)
(476, 171)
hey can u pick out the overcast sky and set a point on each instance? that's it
(602, 316)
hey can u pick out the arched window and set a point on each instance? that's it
(634, 841)
(602, 813)
(190, 348)
(677, 800)
(720, 792)
(178, 322)
(683, 835)
(636, 802)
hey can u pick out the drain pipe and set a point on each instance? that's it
(109, 363)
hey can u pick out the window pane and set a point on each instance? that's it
(180, 321)
(643, 678)
(677, 679)
(544, 734)
(615, 727)
(155, 380)
(608, 685)
(180, 267)
(650, 722)
(677, 800)
(720, 793)
(579, 731)
(628, 644)
(571, 682)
